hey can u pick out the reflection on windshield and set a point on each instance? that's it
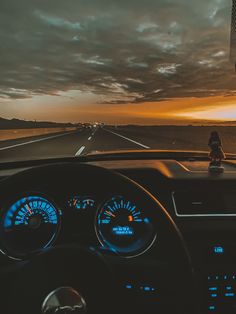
(81, 76)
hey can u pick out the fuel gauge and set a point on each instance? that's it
(81, 202)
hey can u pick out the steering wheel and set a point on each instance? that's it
(74, 279)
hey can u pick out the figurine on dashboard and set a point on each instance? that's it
(216, 154)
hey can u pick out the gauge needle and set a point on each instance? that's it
(29, 209)
(109, 213)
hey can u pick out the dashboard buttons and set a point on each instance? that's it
(219, 250)
(145, 288)
(221, 293)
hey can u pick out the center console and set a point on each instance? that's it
(213, 252)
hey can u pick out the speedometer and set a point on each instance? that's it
(29, 224)
(124, 227)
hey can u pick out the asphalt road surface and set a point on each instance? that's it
(74, 143)
(96, 139)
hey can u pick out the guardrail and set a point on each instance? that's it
(20, 133)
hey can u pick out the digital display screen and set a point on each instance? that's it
(123, 231)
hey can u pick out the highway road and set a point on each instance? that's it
(70, 144)
(84, 141)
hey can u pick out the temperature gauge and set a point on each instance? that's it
(82, 202)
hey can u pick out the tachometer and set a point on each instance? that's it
(124, 227)
(31, 223)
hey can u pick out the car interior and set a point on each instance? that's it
(117, 178)
(130, 231)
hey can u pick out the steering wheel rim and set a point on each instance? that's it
(34, 179)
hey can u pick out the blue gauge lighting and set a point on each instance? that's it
(29, 224)
(124, 227)
(21, 212)
(123, 230)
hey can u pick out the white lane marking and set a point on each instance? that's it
(89, 139)
(80, 151)
(94, 132)
(128, 139)
(35, 141)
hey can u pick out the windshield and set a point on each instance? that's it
(106, 75)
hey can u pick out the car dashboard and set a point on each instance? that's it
(202, 204)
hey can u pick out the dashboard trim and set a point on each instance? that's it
(196, 215)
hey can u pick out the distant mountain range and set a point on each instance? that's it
(23, 124)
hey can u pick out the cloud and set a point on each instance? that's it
(134, 51)
(168, 69)
(58, 22)
(219, 54)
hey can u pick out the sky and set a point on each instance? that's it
(116, 61)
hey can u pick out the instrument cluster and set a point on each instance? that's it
(33, 222)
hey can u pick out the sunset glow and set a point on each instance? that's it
(226, 113)
(179, 111)
(153, 62)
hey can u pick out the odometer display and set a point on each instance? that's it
(29, 224)
(123, 226)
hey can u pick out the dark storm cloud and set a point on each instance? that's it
(120, 50)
